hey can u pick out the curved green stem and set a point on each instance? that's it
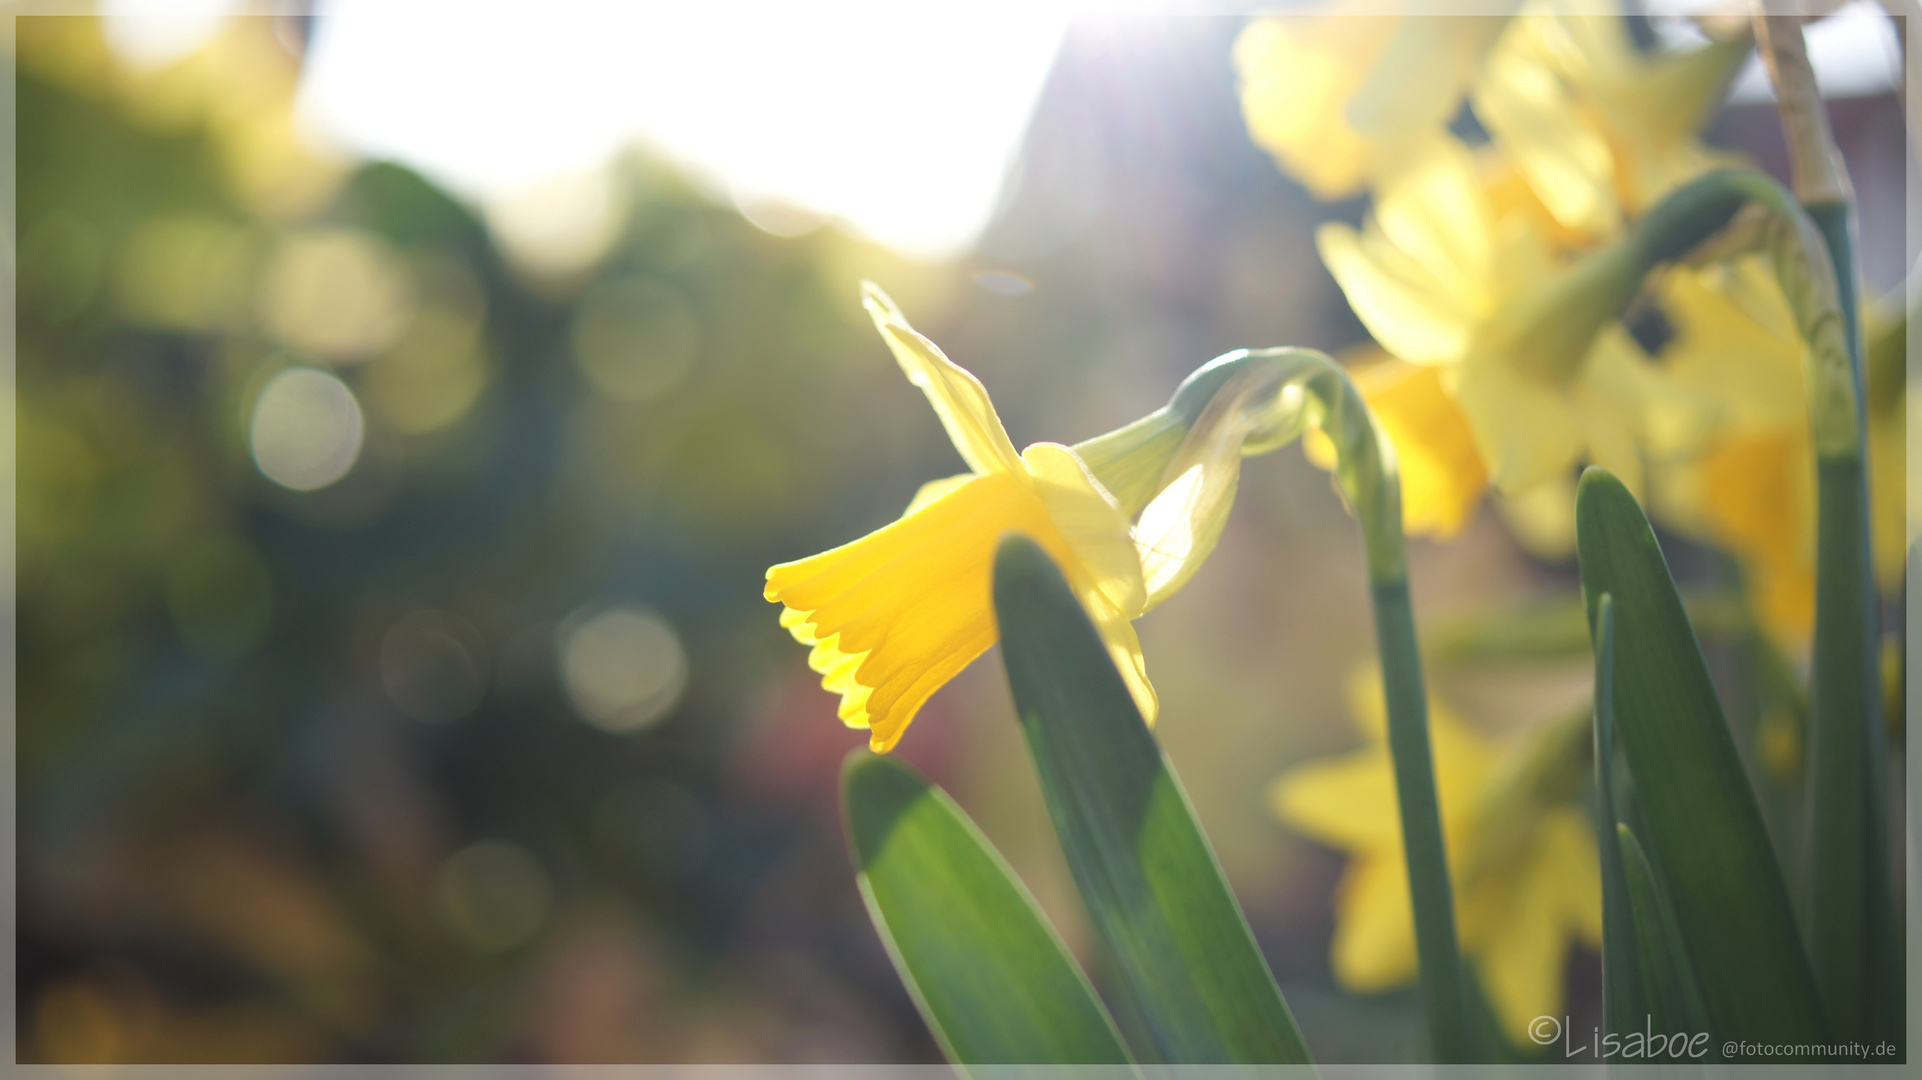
(1848, 921)
(1268, 397)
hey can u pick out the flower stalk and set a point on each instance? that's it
(1849, 915)
(1266, 398)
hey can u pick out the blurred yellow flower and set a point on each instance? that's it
(1525, 345)
(1334, 96)
(1749, 486)
(896, 614)
(1599, 128)
(1442, 476)
(1521, 851)
(1496, 267)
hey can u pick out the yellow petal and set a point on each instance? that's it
(1604, 398)
(1097, 555)
(1442, 475)
(1434, 210)
(1566, 159)
(1297, 76)
(1124, 648)
(1347, 802)
(933, 490)
(899, 612)
(1424, 69)
(1103, 555)
(1374, 946)
(958, 397)
(1542, 518)
(1572, 866)
(1521, 963)
(1525, 430)
(1411, 317)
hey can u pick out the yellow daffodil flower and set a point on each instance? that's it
(1600, 129)
(894, 615)
(1475, 263)
(1442, 278)
(1442, 476)
(1334, 96)
(1749, 486)
(1523, 859)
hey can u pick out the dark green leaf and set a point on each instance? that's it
(1192, 987)
(989, 974)
(1673, 1000)
(1623, 1004)
(1706, 838)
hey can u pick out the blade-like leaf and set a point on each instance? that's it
(1672, 997)
(989, 974)
(1623, 1002)
(1706, 838)
(1184, 962)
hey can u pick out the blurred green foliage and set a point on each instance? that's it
(304, 774)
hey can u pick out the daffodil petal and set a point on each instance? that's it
(1297, 76)
(1567, 161)
(1124, 648)
(1374, 946)
(1525, 429)
(1347, 802)
(958, 397)
(934, 489)
(1435, 210)
(1520, 963)
(1572, 866)
(1442, 475)
(1407, 315)
(1085, 515)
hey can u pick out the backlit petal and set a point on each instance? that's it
(1405, 314)
(1442, 475)
(1103, 555)
(934, 489)
(958, 397)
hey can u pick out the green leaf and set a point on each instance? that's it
(1189, 982)
(1673, 998)
(987, 971)
(1707, 843)
(1623, 1001)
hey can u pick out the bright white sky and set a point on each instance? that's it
(900, 119)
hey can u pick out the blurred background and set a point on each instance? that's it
(410, 403)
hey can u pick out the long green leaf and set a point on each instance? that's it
(988, 973)
(1186, 969)
(1672, 996)
(1707, 841)
(1623, 990)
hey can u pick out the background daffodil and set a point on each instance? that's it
(1521, 852)
(1599, 128)
(1442, 277)
(1337, 97)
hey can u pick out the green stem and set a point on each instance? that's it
(1851, 923)
(1277, 393)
